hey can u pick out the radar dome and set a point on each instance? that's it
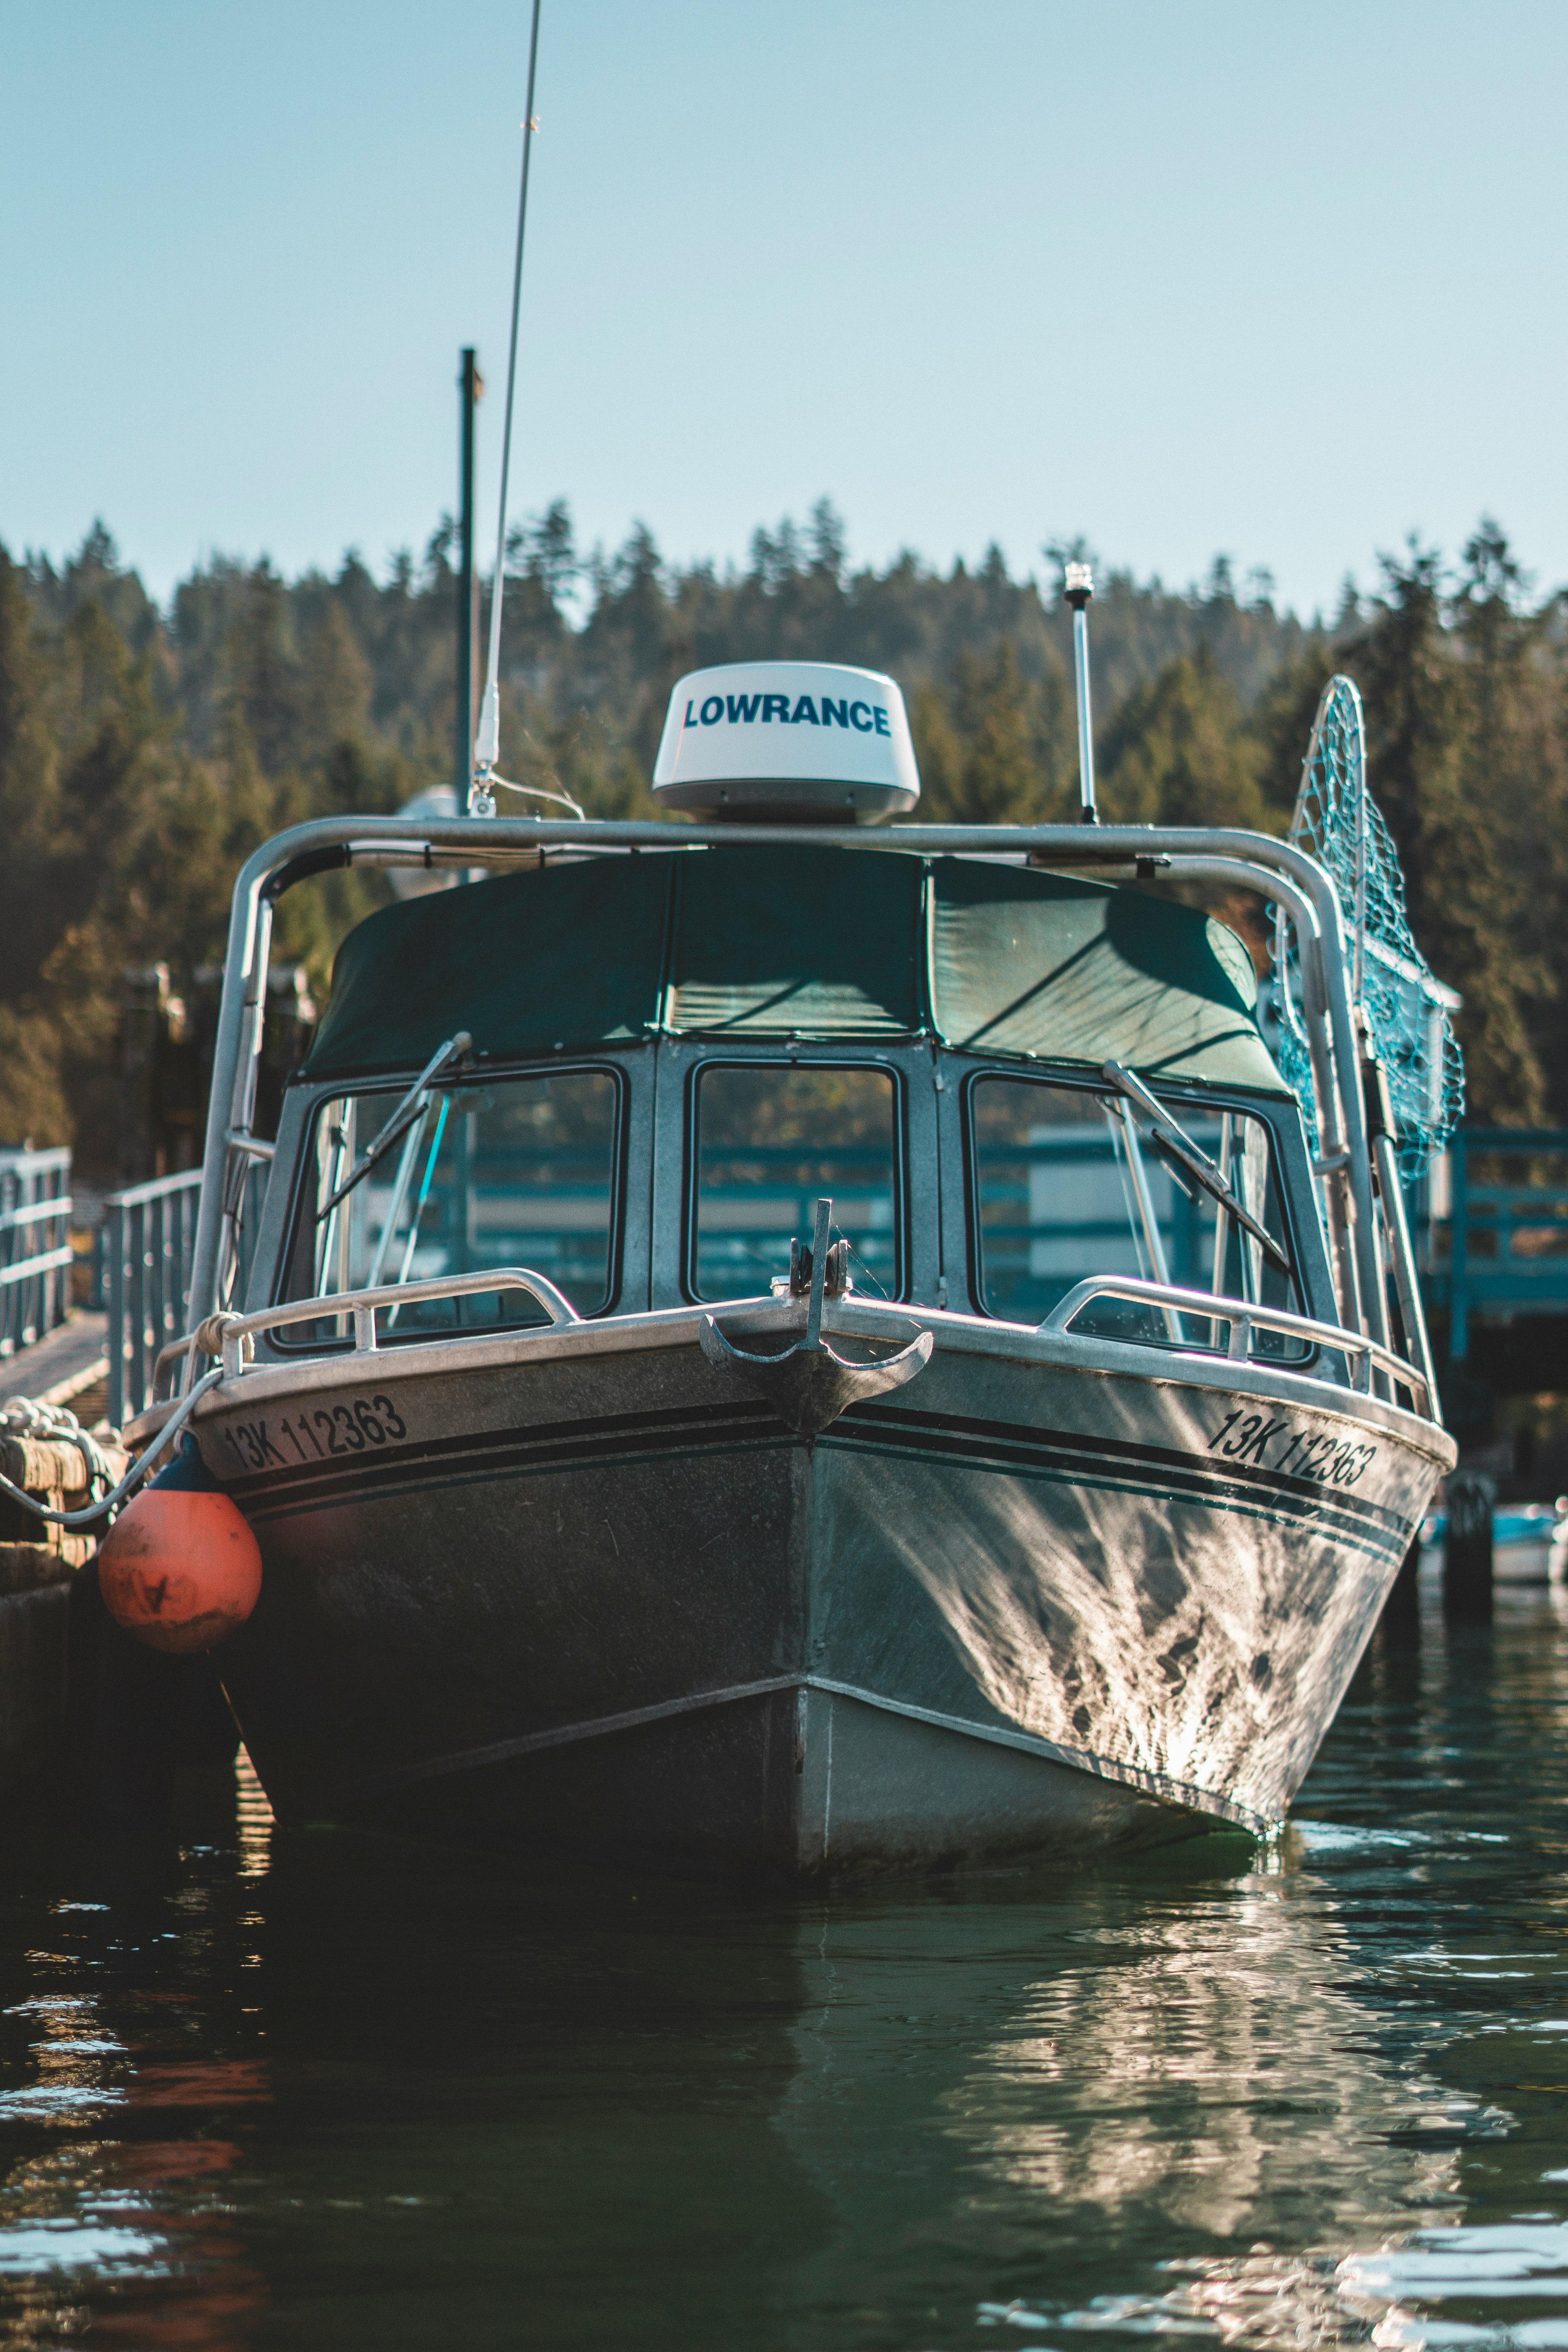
(787, 743)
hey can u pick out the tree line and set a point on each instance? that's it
(145, 750)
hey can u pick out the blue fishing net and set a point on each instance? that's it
(1407, 1013)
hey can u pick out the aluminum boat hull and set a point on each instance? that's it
(584, 1589)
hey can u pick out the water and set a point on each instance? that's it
(334, 2091)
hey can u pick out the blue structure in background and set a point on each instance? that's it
(1502, 1248)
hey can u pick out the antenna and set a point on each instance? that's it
(486, 744)
(470, 385)
(1078, 586)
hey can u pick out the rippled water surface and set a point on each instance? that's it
(326, 2090)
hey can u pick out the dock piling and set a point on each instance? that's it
(1468, 1546)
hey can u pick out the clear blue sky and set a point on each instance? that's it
(1282, 280)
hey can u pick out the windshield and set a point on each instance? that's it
(514, 1172)
(771, 1138)
(1067, 1187)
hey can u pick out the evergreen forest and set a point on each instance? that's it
(145, 751)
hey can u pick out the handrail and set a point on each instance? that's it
(1499, 1212)
(148, 1234)
(157, 1188)
(1242, 1318)
(169, 1355)
(26, 1268)
(22, 1167)
(227, 1335)
(34, 1287)
(35, 1212)
(1333, 1154)
(48, 1260)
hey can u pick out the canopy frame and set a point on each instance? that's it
(1294, 880)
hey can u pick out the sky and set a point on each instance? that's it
(1283, 282)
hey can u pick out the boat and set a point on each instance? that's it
(1530, 1542)
(789, 1339)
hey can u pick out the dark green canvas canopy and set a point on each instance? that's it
(1044, 963)
(754, 942)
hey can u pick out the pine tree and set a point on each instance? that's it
(1514, 767)
(32, 1098)
(332, 695)
(143, 753)
(1177, 753)
(1000, 781)
(939, 755)
(994, 748)
(1466, 903)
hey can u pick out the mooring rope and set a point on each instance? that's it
(97, 1509)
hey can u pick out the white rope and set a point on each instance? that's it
(564, 800)
(487, 744)
(22, 1416)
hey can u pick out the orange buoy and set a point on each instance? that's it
(180, 1567)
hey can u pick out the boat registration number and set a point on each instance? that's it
(1279, 1445)
(343, 1429)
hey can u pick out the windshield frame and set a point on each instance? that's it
(1184, 1104)
(300, 1131)
(807, 1055)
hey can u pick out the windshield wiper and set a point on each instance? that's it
(1178, 1146)
(410, 1108)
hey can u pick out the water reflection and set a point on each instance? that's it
(321, 2090)
(252, 1819)
(1107, 2078)
(1204, 2068)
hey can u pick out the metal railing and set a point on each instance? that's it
(149, 1245)
(1242, 1318)
(1507, 1228)
(149, 1234)
(233, 1336)
(35, 1245)
(359, 1308)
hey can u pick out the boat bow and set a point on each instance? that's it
(810, 1385)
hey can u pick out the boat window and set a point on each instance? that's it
(1068, 1185)
(770, 1139)
(513, 1172)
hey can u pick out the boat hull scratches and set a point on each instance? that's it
(614, 1605)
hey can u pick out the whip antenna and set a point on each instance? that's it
(1077, 586)
(487, 744)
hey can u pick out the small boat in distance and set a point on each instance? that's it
(789, 1342)
(1530, 1542)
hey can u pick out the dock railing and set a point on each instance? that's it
(35, 1244)
(148, 1248)
(1502, 1248)
(149, 1236)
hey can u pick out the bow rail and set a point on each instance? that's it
(232, 1336)
(1242, 1318)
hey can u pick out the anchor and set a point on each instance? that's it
(810, 1385)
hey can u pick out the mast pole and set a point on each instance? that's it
(1078, 586)
(470, 385)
